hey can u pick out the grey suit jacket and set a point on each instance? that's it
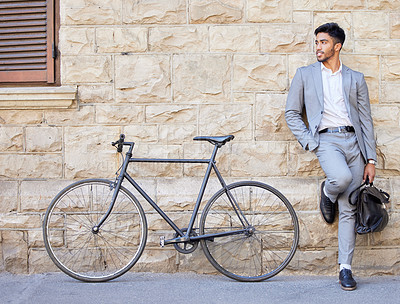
(306, 93)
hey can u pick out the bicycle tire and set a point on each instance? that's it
(76, 249)
(253, 256)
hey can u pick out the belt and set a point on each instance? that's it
(341, 129)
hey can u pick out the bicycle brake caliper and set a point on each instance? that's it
(162, 241)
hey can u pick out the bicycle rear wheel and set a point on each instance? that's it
(271, 237)
(79, 251)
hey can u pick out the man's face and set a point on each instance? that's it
(325, 47)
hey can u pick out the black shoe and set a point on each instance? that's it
(328, 209)
(346, 280)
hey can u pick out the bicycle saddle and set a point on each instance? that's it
(216, 140)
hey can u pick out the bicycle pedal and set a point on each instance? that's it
(162, 241)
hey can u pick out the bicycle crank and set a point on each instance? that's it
(188, 246)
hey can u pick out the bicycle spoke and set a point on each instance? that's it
(94, 255)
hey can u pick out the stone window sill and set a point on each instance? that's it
(38, 97)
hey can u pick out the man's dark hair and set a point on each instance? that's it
(333, 30)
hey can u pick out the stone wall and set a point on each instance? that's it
(164, 71)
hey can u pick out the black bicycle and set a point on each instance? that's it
(95, 230)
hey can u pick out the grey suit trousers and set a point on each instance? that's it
(340, 157)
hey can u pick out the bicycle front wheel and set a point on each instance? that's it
(271, 231)
(81, 252)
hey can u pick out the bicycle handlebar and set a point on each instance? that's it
(119, 143)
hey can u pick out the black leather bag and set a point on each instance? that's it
(371, 209)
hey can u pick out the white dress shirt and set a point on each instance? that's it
(335, 111)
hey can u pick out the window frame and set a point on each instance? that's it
(50, 76)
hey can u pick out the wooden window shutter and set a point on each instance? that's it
(27, 41)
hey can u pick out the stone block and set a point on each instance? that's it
(302, 193)
(171, 114)
(395, 194)
(349, 5)
(214, 11)
(386, 115)
(386, 47)
(201, 78)
(244, 97)
(315, 233)
(312, 5)
(197, 262)
(88, 152)
(103, 93)
(303, 163)
(20, 221)
(383, 5)
(390, 92)
(157, 260)
(269, 11)
(11, 138)
(90, 12)
(156, 223)
(81, 116)
(43, 139)
(36, 196)
(395, 26)
(176, 133)
(86, 69)
(390, 69)
(139, 133)
(40, 262)
(313, 262)
(388, 149)
(8, 196)
(118, 39)
(119, 114)
(286, 38)
(31, 165)
(259, 73)
(35, 238)
(256, 159)
(21, 117)
(142, 78)
(154, 12)
(370, 25)
(270, 123)
(375, 261)
(302, 17)
(76, 41)
(179, 194)
(179, 39)
(228, 119)
(238, 38)
(15, 252)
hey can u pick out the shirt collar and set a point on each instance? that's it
(323, 68)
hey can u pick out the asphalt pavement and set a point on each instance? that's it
(188, 288)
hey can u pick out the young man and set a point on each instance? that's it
(338, 129)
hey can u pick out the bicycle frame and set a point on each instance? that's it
(183, 236)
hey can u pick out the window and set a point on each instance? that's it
(27, 41)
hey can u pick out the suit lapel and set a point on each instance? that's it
(346, 83)
(317, 76)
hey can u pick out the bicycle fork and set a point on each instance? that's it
(117, 187)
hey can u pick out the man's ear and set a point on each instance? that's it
(338, 47)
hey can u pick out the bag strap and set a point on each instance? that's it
(366, 183)
(352, 192)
